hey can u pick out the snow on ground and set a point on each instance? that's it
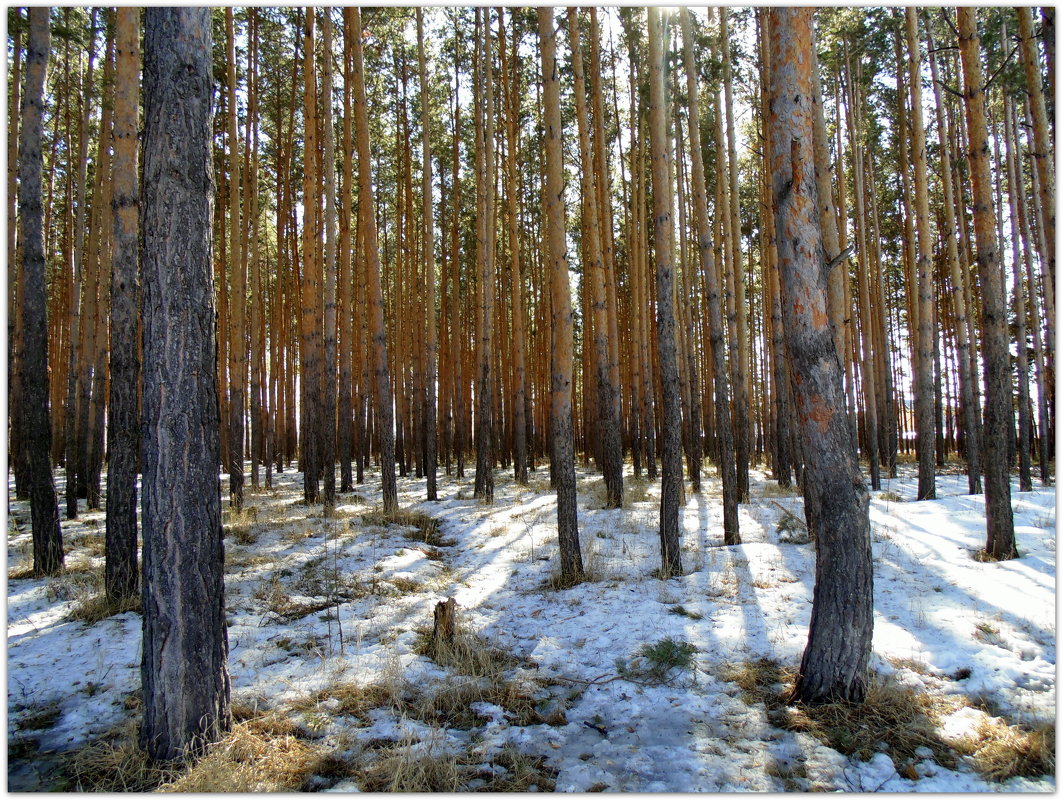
(944, 623)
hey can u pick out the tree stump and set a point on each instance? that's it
(446, 615)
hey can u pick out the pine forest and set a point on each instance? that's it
(531, 399)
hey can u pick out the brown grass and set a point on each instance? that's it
(999, 751)
(891, 715)
(100, 607)
(262, 753)
(403, 768)
(426, 528)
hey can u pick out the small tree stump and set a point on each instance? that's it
(446, 614)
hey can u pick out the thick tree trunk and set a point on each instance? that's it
(1000, 526)
(33, 358)
(184, 591)
(671, 450)
(123, 428)
(562, 457)
(834, 665)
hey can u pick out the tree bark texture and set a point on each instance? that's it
(123, 428)
(834, 665)
(563, 456)
(184, 674)
(1000, 526)
(671, 447)
(384, 415)
(35, 425)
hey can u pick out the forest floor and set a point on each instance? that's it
(623, 683)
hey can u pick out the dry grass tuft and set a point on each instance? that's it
(893, 718)
(999, 751)
(413, 767)
(100, 607)
(23, 570)
(259, 755)
(772, 489)
(92, 544)
(428, 766)
(426, 527)
(356, 700)
(117, 764)
(468, 655)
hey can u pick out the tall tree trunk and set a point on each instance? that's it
(671, 450)
(238, 298)
(258, 380)
(607, 433)
(184, 592)
(385, 425)
(731, 535)
(1000, 526)
(834, 665)
(328, 367)
(428, 243)
(123, 427)
(867, 361)
(968, 380)
(33, 358)
(485, 458)
(1021, 350)
(70, 424)
(346, 344)
(562, 458)
(310, 287)
(1044, 435)
(741, 331)
(924, 384)
(1043, 153)
(511, 85)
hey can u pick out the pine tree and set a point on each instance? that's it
(33, 357)
(184, 609)
(123, 429)
(834, 665)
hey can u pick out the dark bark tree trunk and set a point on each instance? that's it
(36, 427)
(1000, 526)
(563, 458)
(184, 591)
(123, 426)
(671, 447)
(834, 665)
